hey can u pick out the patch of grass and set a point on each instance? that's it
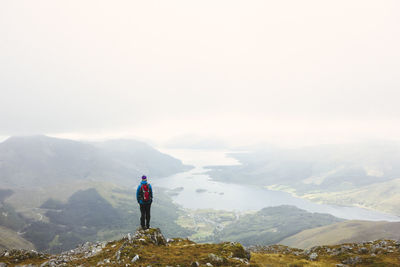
(181, 252)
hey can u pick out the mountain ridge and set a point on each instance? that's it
(34, 161)
(150, 248)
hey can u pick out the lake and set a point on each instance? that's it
(199, 191)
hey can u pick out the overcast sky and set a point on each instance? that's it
(246, 71)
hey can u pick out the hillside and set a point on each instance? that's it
(344, 232)
(9, 239)
(101, 213)
(387, 194)
(271, 225)
(41, 161)
(150, 248)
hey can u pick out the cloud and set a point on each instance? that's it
(176, 67)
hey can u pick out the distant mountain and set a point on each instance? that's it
(42, 161)
(271, 225)
(138, 155)
(344, 232)
(323, 168)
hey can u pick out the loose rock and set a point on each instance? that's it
(136, 258)
(352, 260)
(313, 256)
(214, 258)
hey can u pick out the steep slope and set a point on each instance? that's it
(344, 232)
(10, 218)
(9, 239)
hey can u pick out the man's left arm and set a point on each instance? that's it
(137, 194)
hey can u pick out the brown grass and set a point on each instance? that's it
(184, 252)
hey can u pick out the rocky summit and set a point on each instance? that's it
(150, 248)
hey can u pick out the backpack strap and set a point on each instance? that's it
(141, 193)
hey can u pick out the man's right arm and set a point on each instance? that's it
(151, 193)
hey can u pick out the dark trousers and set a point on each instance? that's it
(145, 215)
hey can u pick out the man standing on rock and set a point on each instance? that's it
(144, 196)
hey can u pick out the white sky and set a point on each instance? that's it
(277, 71)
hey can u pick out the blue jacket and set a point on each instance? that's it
(138, 194)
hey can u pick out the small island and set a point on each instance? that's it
(201, 190)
